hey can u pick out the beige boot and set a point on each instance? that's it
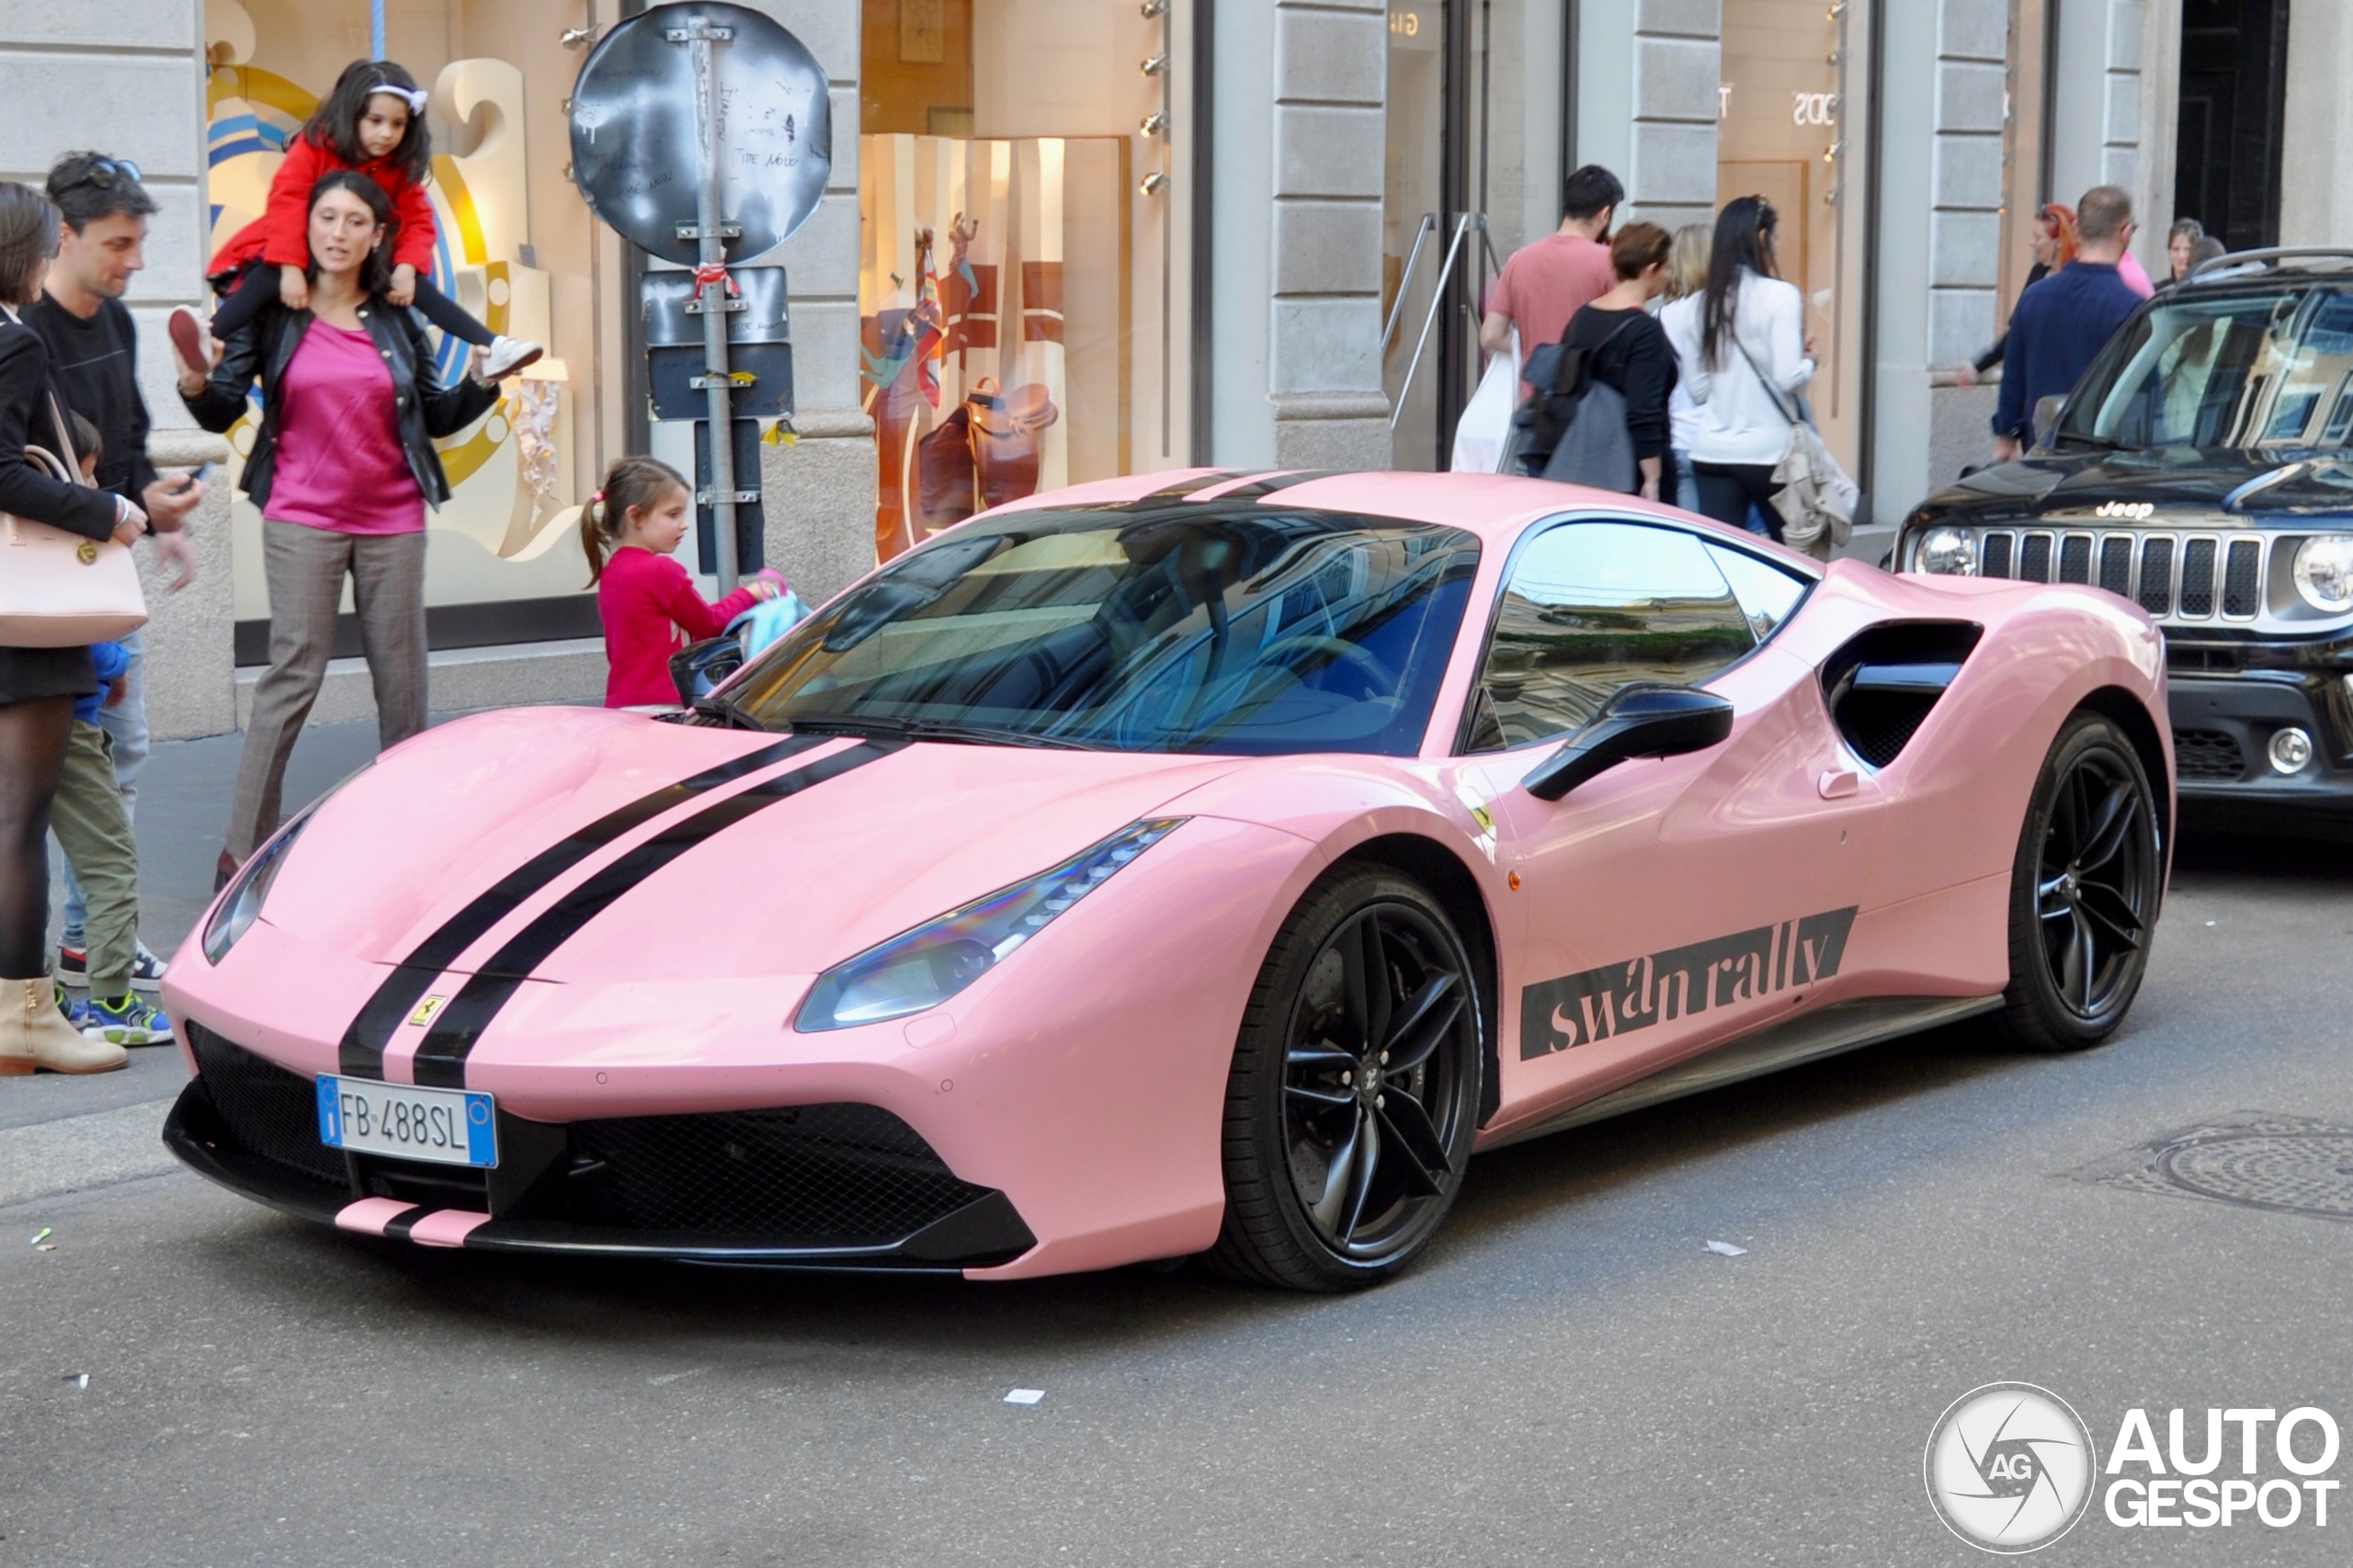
(35, 1035)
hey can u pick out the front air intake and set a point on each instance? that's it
(1880, 687)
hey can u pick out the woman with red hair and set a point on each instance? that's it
(2056, 240)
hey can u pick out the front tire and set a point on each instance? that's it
(2084, 891)
(1354, 1094)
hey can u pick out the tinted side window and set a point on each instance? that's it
(1765, 591)
(1591, 608)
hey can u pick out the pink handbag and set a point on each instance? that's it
(59, 589)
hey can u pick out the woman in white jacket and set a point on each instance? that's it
(1746, 327)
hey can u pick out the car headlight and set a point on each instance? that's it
(241, 903)
(2324, 571)
(1948, 552)
(925, 967)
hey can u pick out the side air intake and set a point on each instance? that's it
(1881, 685)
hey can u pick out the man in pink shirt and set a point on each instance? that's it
(1548, 280)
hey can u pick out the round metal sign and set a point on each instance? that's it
(636, 119)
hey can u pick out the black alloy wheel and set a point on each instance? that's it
(2085, 890)
(1354, 1095)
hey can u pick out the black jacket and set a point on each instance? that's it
(424, 409)
(27, 490)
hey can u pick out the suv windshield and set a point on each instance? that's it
(2204, 367)
(1157, 626)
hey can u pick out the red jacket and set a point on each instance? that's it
(281, 235)
(644, 600)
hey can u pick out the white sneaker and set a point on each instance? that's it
(508, 355)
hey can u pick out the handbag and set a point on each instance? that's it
(59, 589)
(1483, 432)
(1815, 498)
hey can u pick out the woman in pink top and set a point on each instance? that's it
(643, 596)
(342, 469)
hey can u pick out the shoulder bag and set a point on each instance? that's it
(1815, 498)
(59, 589)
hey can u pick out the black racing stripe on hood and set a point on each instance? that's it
(361, 1054)
(441, 1059)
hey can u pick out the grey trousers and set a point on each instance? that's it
(305, 567)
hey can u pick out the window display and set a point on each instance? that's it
(1011, 254)
(521, 259)
(1783, 108)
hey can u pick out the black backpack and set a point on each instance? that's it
(1557, 376)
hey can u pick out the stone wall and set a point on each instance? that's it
(1323, 362)
(1678, 62)
(819, 493)
(1965, 222)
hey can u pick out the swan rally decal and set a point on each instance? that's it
(1579, 1009)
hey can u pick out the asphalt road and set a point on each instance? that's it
(1569, 1377)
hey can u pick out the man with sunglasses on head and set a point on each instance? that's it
(93, 357)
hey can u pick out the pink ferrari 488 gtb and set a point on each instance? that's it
(1188, 864)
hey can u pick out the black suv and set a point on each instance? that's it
(2204, 469)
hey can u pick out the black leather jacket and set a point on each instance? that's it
(424, 408)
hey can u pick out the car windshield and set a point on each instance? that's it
(1184, 627)
(2208, 366)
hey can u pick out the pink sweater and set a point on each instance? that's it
(647, 601)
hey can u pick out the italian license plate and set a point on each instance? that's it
(448, 1127)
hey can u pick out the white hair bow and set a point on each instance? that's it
(414, 98)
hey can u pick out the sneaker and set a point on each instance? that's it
(185, 329)
(508, 355)
(73, 968)
(129, 1019)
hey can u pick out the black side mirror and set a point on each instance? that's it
(1641, 720)
(696, 669)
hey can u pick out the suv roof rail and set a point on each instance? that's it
(2233, 260)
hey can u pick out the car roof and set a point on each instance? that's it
(2277, 264)
(1495, 507)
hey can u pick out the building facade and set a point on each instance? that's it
(1066, 239)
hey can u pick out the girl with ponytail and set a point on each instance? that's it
(645, 597)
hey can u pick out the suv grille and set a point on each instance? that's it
(2172, 577)
(2207, 754)
(819, 1175)
(272, 1113)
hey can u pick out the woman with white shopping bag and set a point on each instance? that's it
(1741, 344)
(58, 539)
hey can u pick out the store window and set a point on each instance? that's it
(1017, 287)
(1783, 113)
(514, 245)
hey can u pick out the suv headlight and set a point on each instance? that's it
(2325, 572)
(1948, 552)
(920, 968)
(240, 905)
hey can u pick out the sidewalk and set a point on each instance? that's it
(60, 1135)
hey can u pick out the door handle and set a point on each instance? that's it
(1838, 783)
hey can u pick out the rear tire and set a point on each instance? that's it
(1354, 1095)
(2085, 889)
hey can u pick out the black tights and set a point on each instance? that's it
(1727, 490)
(32, 754)
(258, 287)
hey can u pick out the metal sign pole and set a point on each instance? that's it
(712, 300)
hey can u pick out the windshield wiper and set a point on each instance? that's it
(929, 730)
(723, 710)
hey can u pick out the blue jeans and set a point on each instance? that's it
(1685, 491)
(126, 724)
